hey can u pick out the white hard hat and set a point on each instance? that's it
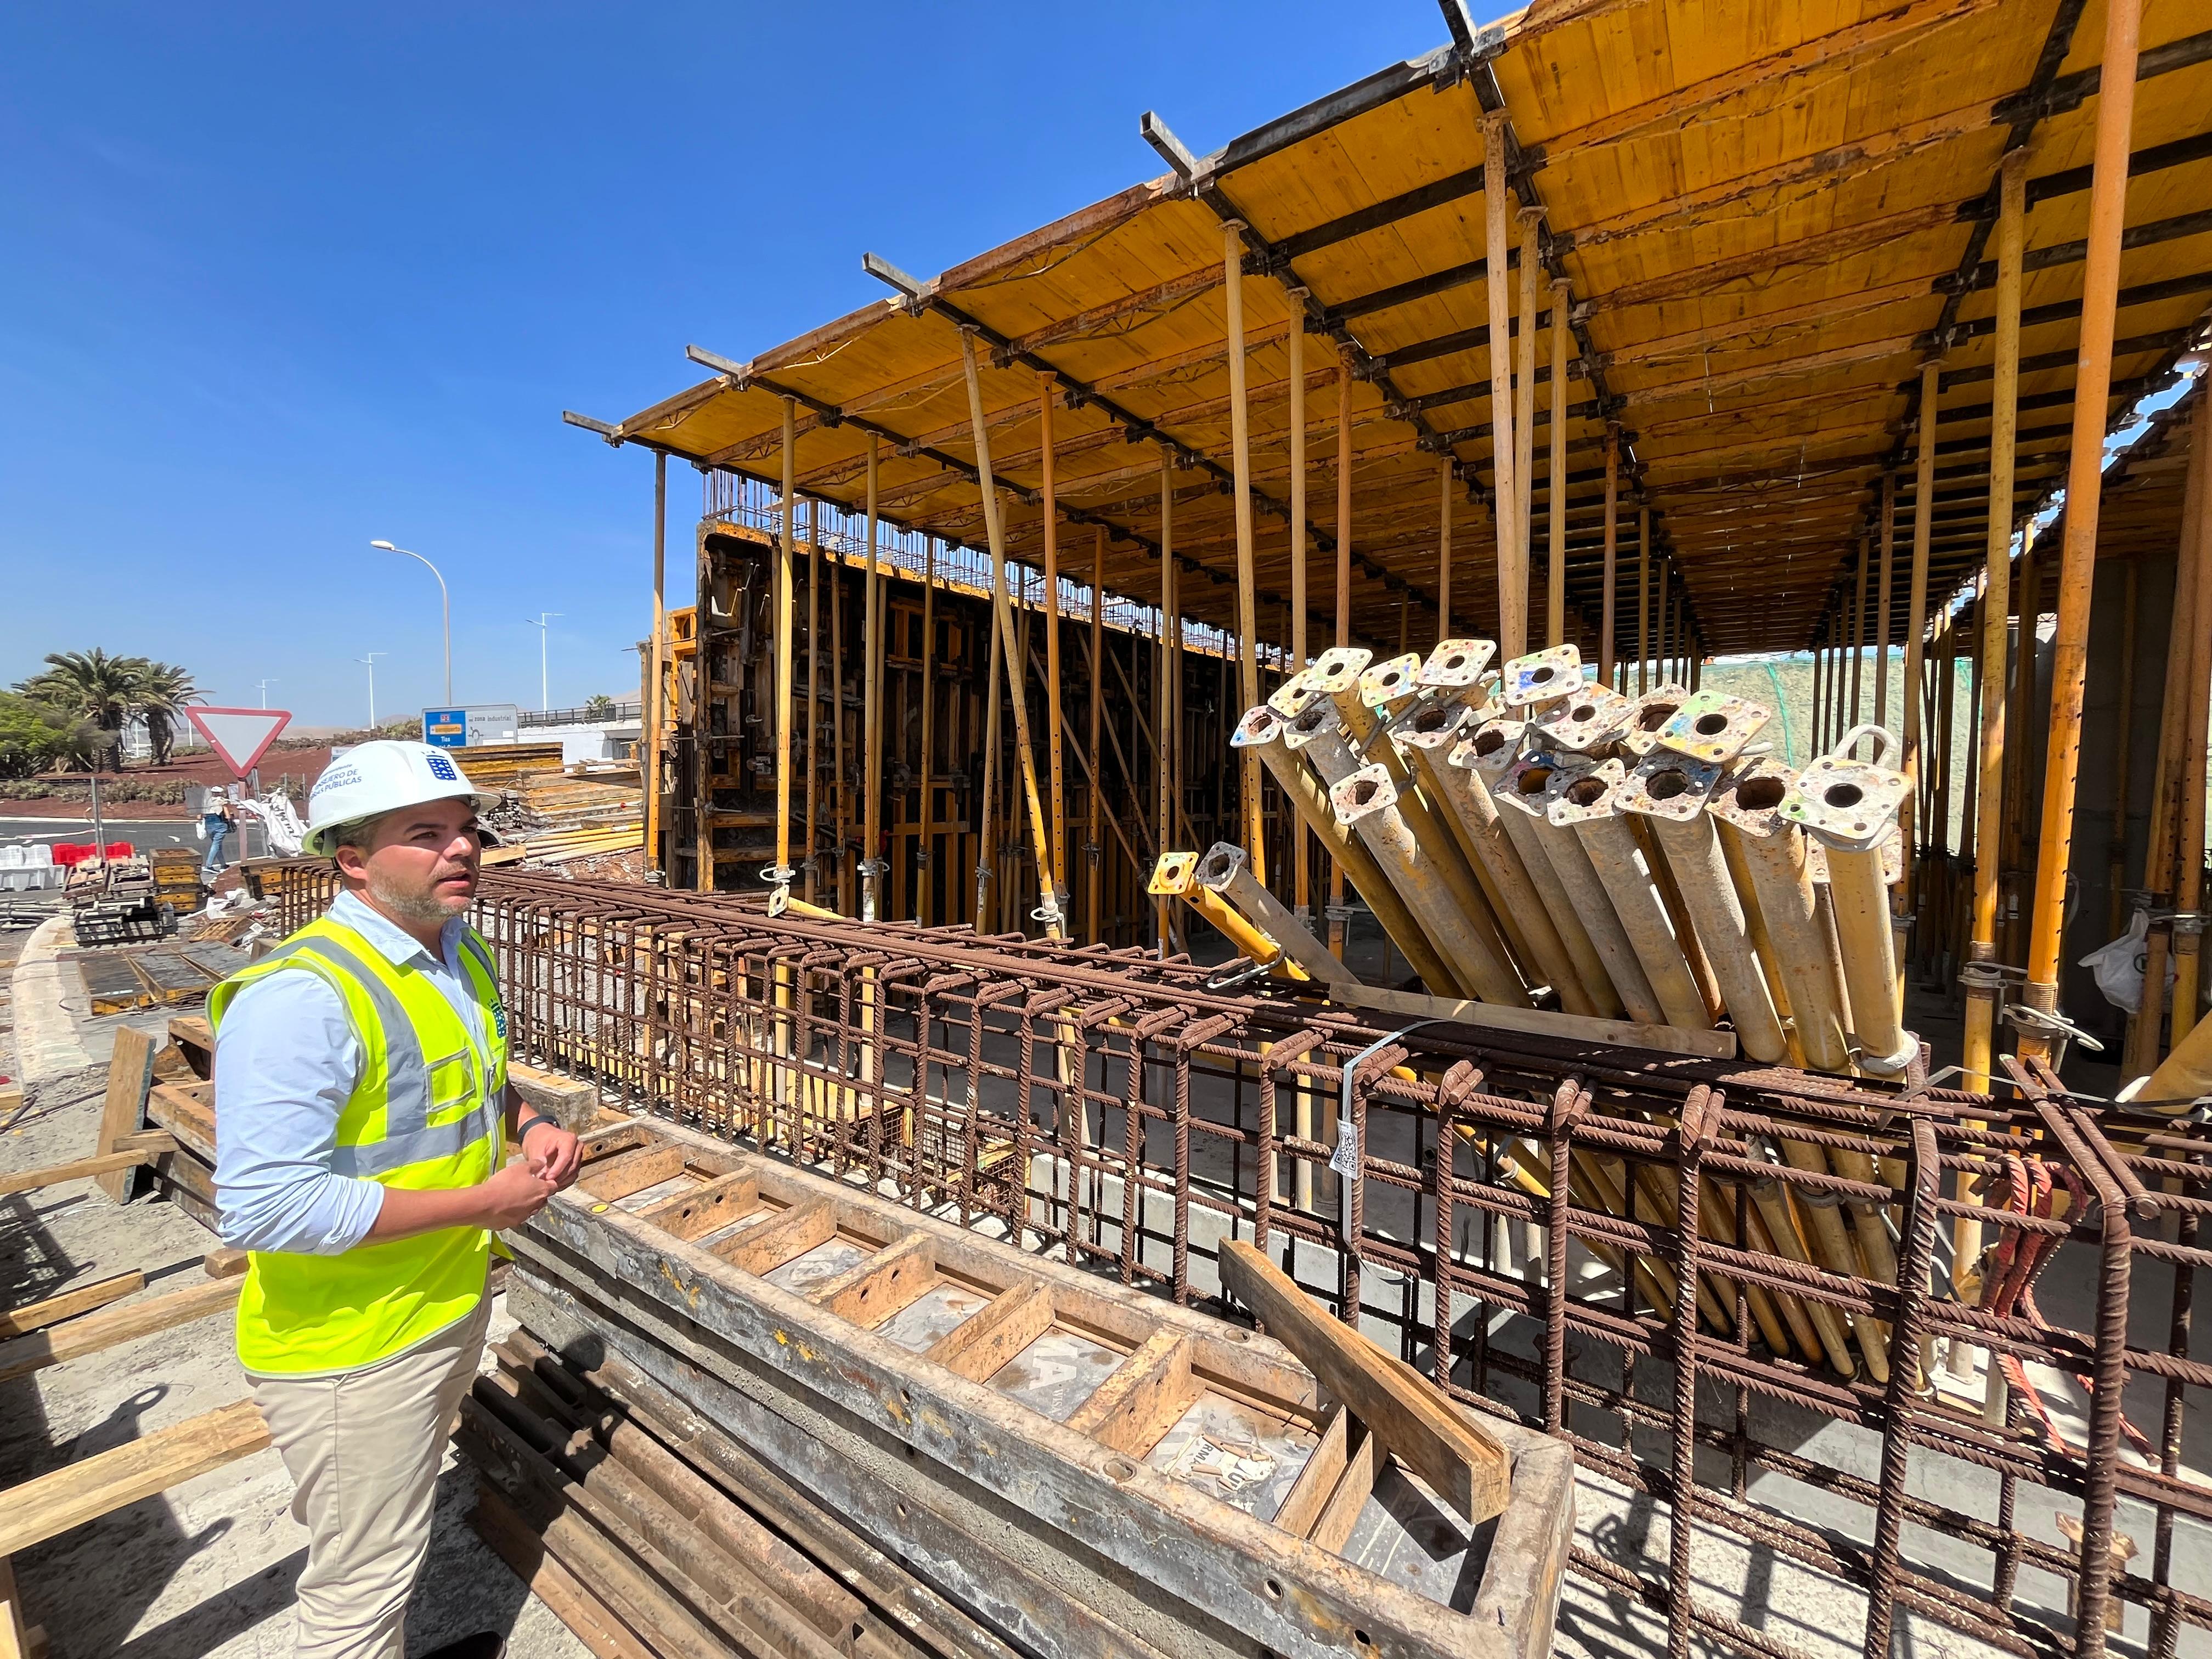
(379, 777)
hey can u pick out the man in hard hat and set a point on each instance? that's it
(362, 1119)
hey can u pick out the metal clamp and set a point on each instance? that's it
(2189, 922)
(1340, 913)
(1050, 915)
(2051, 1026)
(779, 875)
(872, 867)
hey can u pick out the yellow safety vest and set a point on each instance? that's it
(425, 1114)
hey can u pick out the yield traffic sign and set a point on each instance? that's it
(239, 736)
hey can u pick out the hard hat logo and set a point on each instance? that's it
(382, 777)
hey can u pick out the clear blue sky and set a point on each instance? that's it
(278, 280)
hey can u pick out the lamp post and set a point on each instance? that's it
(371, 660)
(544, 690)
(444, 601)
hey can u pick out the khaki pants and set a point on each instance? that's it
(363, 1448)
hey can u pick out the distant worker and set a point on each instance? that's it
(362, 1119)
(217, 817)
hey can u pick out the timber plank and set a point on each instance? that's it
(90, 1332)
(186, 1112)
(15, 1638)
(1465, 1465)
(981, 1344)
(130, 1075)
(37, 1315)
(103, 1166)
(39, 1509)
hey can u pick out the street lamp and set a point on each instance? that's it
(445, 601)
(544, 693)
(371, 660)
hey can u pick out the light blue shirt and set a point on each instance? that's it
(286, 1062)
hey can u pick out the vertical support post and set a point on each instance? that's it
(1444, 547)
(656, 871)
(839, 791)
(2196, 696)
(871, 697)
(1163, 692)
(1301, 837)
(783, 648)
(1248, 619)
(1524, 405)
(1612, 545)
(2116, 873)
(1858, 629)
(1093, 854)
(813, 683)
(925, 875)
(1883, 601)
(1660, 666)
(1052, 634)
(1555, 481)
(1923, 507)
(1016, 669)
(1642, 601)
(2093, 379)
(1504, 446)
(1343, 603)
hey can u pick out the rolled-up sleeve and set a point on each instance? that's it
(286, 1059)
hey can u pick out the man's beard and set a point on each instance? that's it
(424, 908)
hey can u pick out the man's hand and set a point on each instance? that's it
(553, 1153)
(513, 1196)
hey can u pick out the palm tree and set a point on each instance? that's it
(164, 689)
(101, 687)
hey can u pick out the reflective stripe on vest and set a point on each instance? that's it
(410, 1137)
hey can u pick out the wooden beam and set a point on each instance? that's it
(84, 1491)
(37, 1315)
(122, 1112)
(90, 1332)
(1467, 1466)
(107, 1166)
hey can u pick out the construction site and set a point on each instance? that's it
(1436, 890)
